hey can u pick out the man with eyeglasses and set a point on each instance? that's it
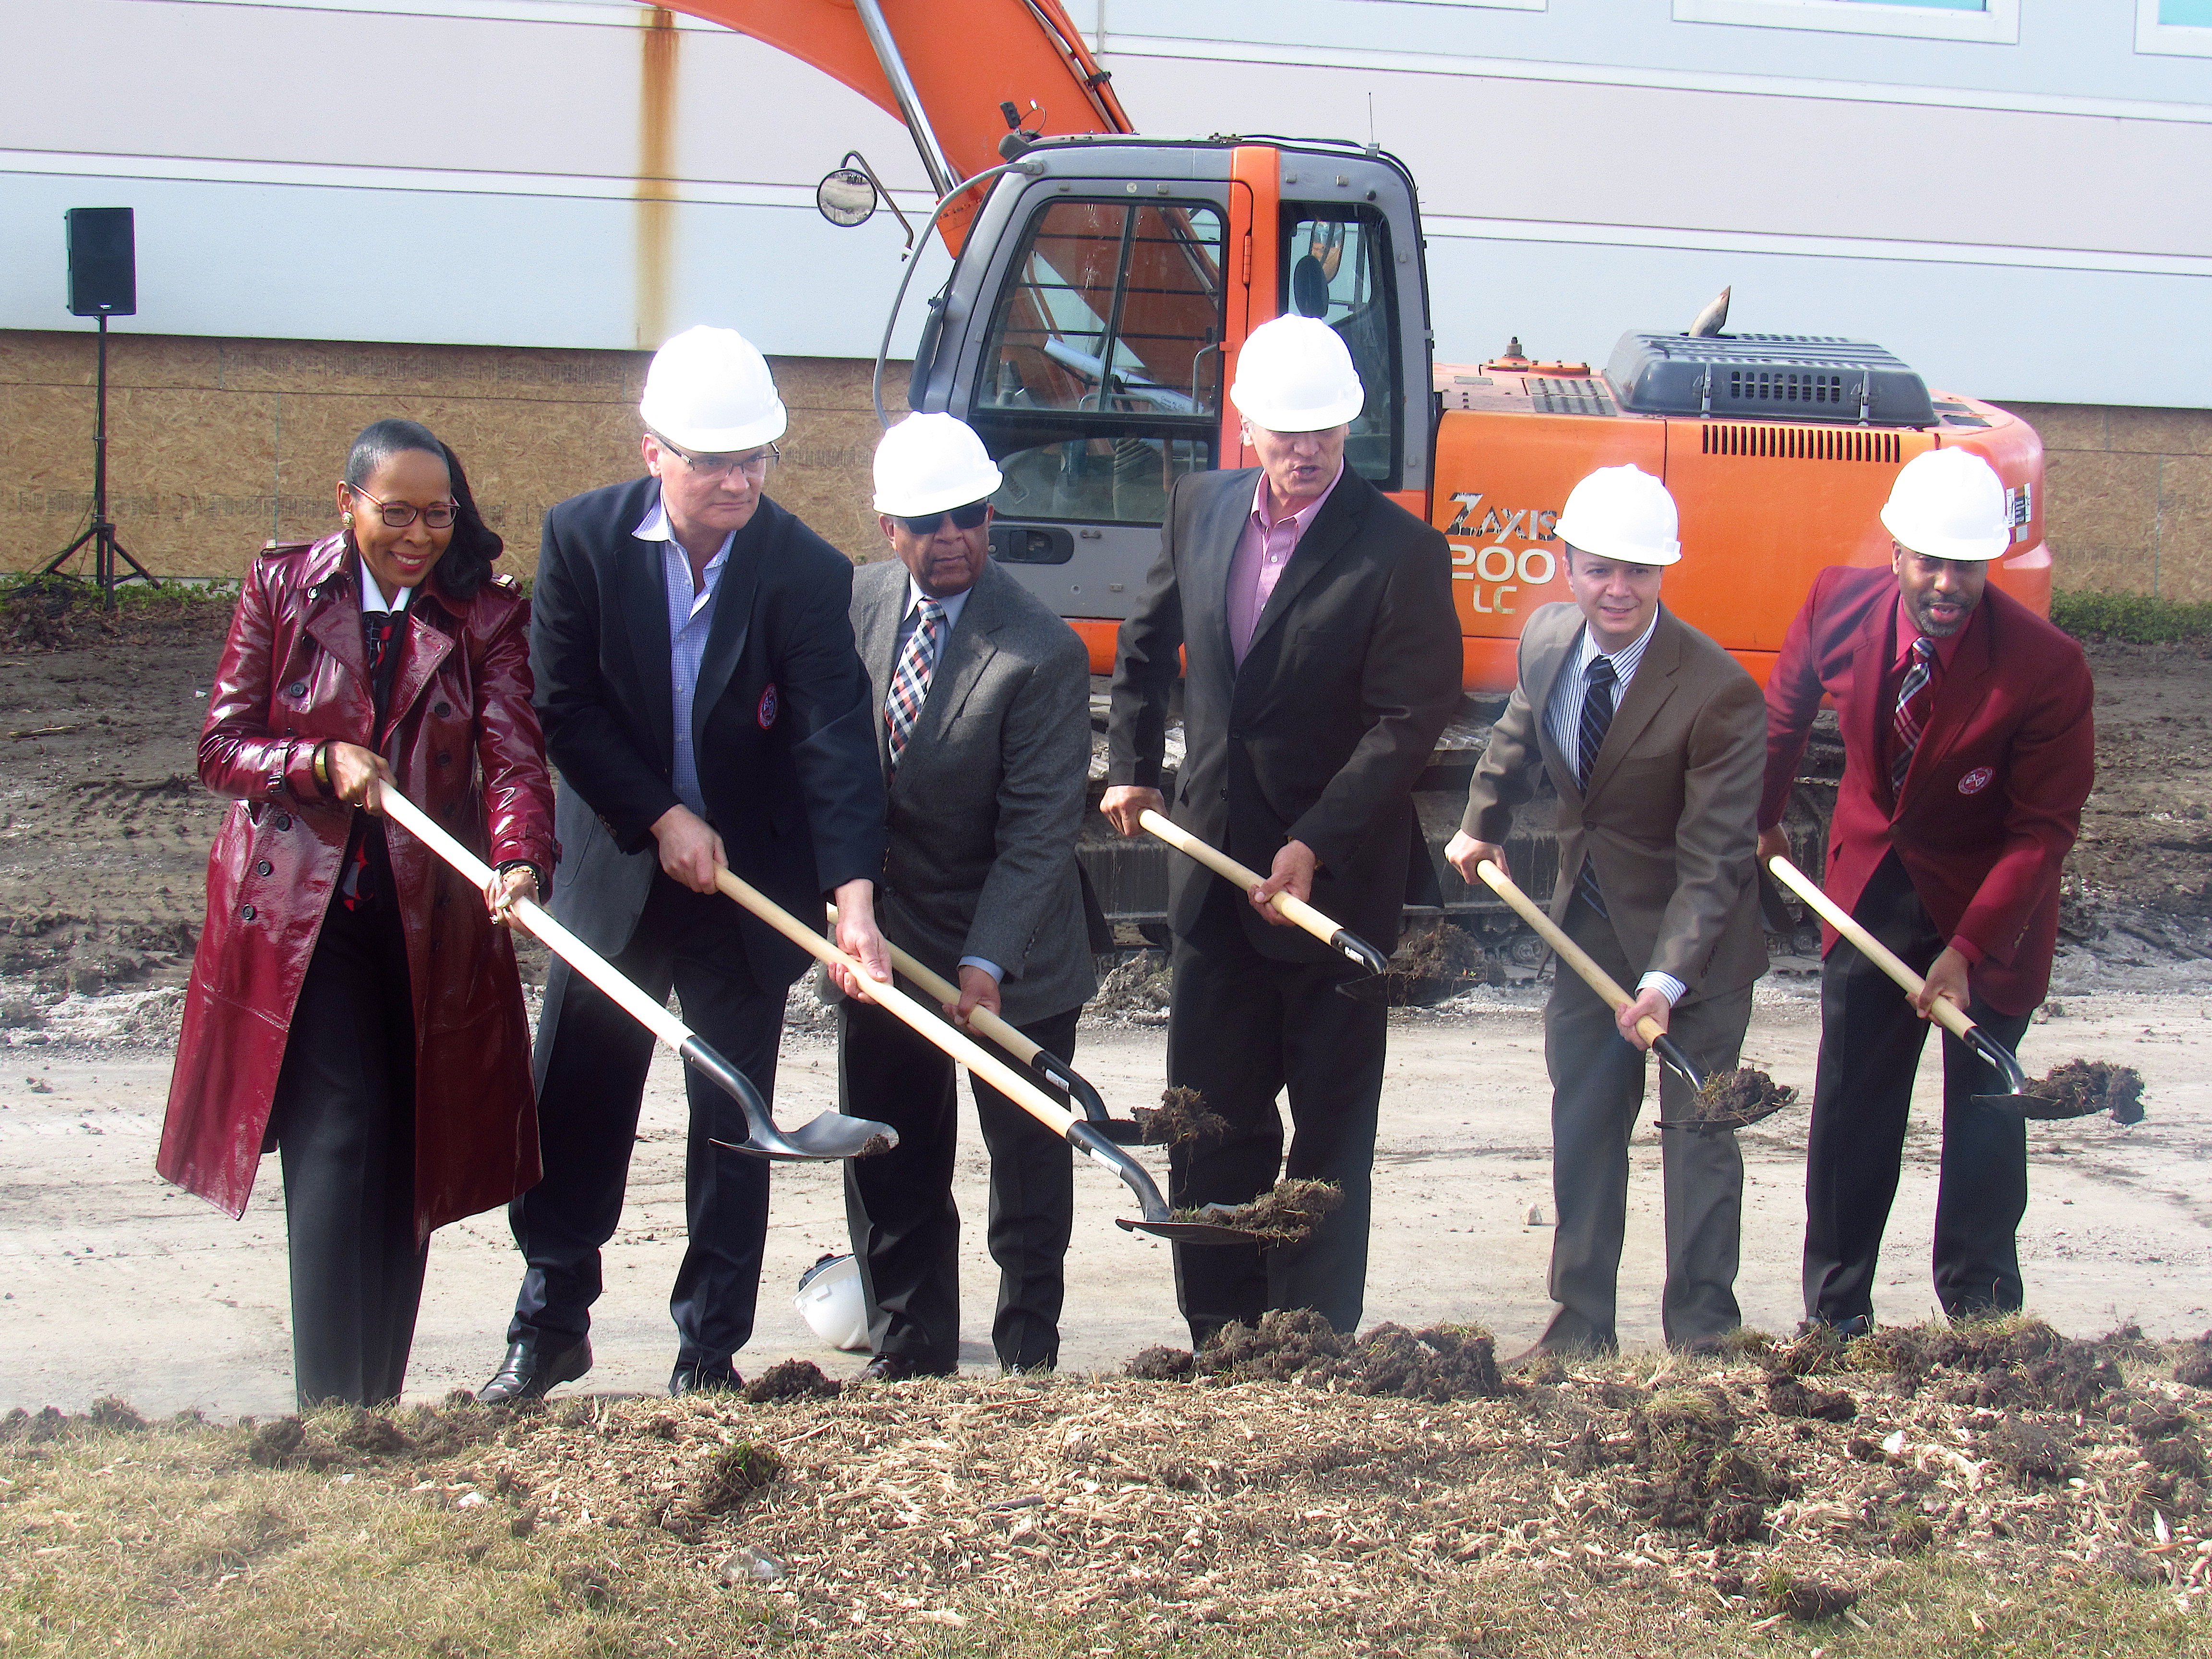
(984, 730)
(704, 708)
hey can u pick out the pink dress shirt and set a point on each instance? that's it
(1262, 550)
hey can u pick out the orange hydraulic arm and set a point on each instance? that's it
(961, 62)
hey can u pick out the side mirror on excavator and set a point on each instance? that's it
(850, 195)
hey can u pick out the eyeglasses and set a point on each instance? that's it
(753, 465)
(397, 515)
(964, 517)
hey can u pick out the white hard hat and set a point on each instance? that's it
(1295, 376)
(928, 462)
(1949, 504)
(1621, 512)
(709, 390)
(829, 1301)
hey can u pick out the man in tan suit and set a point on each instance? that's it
(1655, 739)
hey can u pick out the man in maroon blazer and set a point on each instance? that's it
(1968, 751)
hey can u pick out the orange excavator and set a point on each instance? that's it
(1103, 283)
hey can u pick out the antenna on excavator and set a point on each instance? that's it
(1713, 319)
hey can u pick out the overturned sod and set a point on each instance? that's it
(1287, 1214)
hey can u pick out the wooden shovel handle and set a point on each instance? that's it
(1568, 951)
(1947, 1013)
(1295, 911)
(982, 1019)
(962, 1047)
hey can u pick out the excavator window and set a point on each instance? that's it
(1100, 380)
(1336, 261)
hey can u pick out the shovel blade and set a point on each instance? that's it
(831, 1136)
(1192, 1232)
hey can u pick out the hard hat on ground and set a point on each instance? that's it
(831, 1302)
(1621, 512)
(1294, 374)
(1949, 504)
(929, 463)
(709, 390)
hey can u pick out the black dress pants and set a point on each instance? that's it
(905, 1226)
(344, 1119)
(591, 1060)
(1870, 1044)
(1242, 1028)
(1597, 1093)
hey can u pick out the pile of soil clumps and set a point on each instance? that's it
(2082, 1087)
(1182, 1116)
(1732, 1100)
(790, 1379)
(1286, 1215)
(1433, 961)
(1135, 992)
(1296, 1345)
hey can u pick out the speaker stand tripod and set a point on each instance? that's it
(106, 547)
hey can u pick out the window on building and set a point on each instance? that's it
(1995, 21)
(2175, 28)
(1101, 380)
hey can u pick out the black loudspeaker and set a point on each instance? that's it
(103, 262)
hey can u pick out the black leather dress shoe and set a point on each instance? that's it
(898, 1368)
(704, 1376)
(528, 1371)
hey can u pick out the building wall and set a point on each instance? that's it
(2130, 504)
(217, 445)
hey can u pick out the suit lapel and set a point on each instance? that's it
(641, 586)
(1869, 718)
(428, 645)
(1332, 529)
(960, 663)
(1647, 694)
(1549, 660)
(875, 638)
(1204, 580)
(335, 624)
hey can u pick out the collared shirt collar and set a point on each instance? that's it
(1623, 660)
(372, 596)
(953, 606)
(1908, 630)
(656, 526)
(1303, 517)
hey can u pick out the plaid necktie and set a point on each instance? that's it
(379, 633)
(910, 680)
(1913, 698)
(1589, 737)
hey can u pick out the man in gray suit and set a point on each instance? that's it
(1655, 739)
(984, 731)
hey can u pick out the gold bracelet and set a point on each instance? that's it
(323, 766)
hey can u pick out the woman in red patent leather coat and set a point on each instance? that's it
(354, 1002)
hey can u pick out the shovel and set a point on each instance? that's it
(1294, 910)
(1050, 1067)
(832, 1135)
(1669, 1052)
(1946, 1012)
(1156, 1218)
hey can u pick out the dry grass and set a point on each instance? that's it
(1111, 1516)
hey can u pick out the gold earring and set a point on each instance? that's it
(348, 521)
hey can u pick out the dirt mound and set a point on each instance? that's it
(2082, 1087)
(1181, 1116)
(1787, 1397)
(1296, 1345)
(1435, 960)
(792, 1379)
(1135, 992)
(2195, 1368)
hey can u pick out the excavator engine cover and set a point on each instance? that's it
(1805, 377)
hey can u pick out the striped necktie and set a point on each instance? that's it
(1913, 698)
(910, 679)
(1589, 737)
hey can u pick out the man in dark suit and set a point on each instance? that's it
(704, 708)
(985, 737)
(1323, 664)
(1653, 736)
(1968, 750)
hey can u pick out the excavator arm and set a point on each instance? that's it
(944, 69)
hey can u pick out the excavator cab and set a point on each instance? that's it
(1091, 326)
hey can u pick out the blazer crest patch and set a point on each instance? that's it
(1977, 780)
(769, 707)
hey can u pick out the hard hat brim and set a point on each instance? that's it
(977, 487)
(719, 440)
(1621, 552)
(1974, 550)
(1342, 412)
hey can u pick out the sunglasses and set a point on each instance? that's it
(964, 517)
